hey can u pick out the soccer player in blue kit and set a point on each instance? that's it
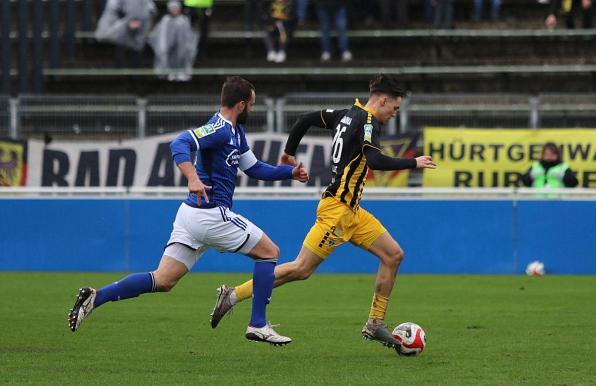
(205, 220)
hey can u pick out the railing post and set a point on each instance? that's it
(87, 23)
(280, 105)
(70, 28)
(53, 26)
(13, 106)
(270, 104)
(392, 126)
(23, 10)
(534, 120)
(141, 117)
(6, 51)
(37, 62)
(404, 119)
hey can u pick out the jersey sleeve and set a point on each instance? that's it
(207, 137)
(371, 134)
(182, 147)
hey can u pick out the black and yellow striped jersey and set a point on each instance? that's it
(353, 130)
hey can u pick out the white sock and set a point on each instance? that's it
(233, 298)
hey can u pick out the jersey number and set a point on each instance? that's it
(338, 143)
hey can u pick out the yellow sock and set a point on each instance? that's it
(244, 291)
(378, 307)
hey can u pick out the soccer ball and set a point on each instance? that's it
(412, 338)
(535, 268)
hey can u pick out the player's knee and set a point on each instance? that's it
(395, 256)
(271, 252)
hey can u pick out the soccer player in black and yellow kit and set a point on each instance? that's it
(355, 149)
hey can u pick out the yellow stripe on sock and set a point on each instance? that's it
(378, 307)
(244, 291)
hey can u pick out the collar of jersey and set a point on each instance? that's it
(358, 104)
(222, 117)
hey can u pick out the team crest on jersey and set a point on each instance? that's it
(204, 131)
(368, 129)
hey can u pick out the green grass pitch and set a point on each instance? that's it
(499, 330)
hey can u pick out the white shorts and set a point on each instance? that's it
(196, 230)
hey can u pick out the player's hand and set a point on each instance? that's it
(299, 173)
(287, 159)
(196, 186)
(551, 21)
(586, 4)
(425, 161)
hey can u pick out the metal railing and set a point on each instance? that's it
(128, 116)
(285, 193)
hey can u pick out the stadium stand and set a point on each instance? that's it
(516, 54)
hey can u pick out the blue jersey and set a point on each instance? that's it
(220, 150)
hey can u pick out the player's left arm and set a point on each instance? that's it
(260, 170)
(379, 161)
(371, 147)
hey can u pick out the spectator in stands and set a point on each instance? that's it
(175, 44)
(126, 23)
(570, 8)
(550, 171)
(494, 9)
(278, 30)
(201, 12)
(336, 10)
(443, 14)
(301, 11)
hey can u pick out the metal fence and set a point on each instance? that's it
(128, 116)
(4, 116)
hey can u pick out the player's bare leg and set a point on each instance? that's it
(265, 254)
(300, 269)
(168, 273)
(390, 254)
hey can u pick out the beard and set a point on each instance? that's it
(243, 116)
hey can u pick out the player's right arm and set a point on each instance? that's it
(181, 148)
(322, 119)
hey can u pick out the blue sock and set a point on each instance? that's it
(263, 278)
(129, 287)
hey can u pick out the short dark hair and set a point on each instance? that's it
(236, 89)
(552, 147)
(385, 84)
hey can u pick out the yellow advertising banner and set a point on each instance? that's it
(13, 167)
(499, 157)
